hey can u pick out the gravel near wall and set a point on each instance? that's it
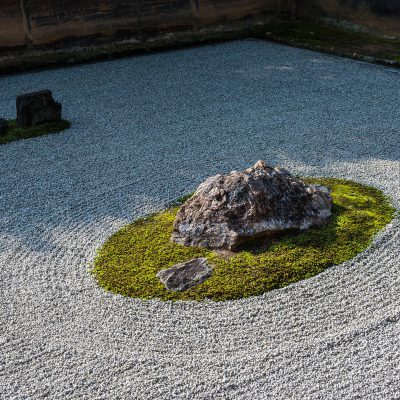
(146, 130)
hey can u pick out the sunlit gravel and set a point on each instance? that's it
(147, 130)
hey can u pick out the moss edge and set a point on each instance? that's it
(14, 133)
(127, 265)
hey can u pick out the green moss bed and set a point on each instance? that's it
(15, 133)
(129, 261)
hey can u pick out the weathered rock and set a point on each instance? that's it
(185, 275)
(3, 126)
(37, 108)
(228, 210)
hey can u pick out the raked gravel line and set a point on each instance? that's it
(146, 130)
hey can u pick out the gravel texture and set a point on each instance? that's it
(145, 131)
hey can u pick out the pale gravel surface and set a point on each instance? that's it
(145, 131)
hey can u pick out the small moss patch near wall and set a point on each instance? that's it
(129, 261)
(15, 133)
(333, 39)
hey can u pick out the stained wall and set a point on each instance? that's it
(45, 22)
(35, 23)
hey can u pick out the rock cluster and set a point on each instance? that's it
(37, 108)
(228, 210)
(185, 275)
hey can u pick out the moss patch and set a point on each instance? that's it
(15, 133)
(332, 39)
(129, 261)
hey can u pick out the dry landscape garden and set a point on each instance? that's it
(217, 221)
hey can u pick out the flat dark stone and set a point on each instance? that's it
(182, 276)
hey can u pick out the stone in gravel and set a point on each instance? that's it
(3, 126)
(182, 276)
(37, 108)
(228, 210)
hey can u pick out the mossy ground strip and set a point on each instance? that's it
(128, 262)
(15, 133)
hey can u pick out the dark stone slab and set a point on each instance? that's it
(185, 275)
(37, 108)
(3, 126)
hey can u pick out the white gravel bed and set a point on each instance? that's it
(146, 130)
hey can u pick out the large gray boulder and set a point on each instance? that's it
(37, 108)
(228, 210)
(182, 276)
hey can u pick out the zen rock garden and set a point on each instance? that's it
(229, 210)
(146, 253)
(37, 114)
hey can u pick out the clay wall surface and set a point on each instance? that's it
(35, 23)
(11, 25)
(51, 21)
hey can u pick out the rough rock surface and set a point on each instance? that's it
(37, 108)
(182, 276)
(227, 210)
(3, 126)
